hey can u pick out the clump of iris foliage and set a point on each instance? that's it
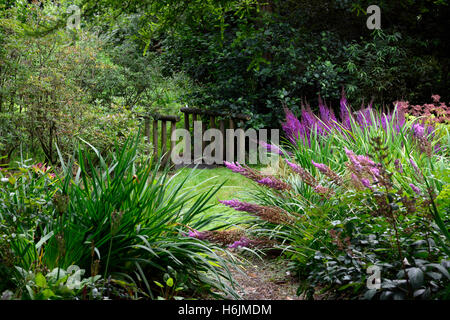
(359, 190)
(113, 231)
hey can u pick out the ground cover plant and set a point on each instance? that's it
(370, 189)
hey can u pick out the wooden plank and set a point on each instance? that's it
(212, 125)
(241, 139)
(197, 111)
(187, 147)
(231, 123)
(155, 138)
(203, 140)
(173, 126)
(186, 121)
(166, 117)
(231, 143)
(164, 142)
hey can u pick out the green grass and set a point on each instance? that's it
(234, 186)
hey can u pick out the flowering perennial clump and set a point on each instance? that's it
(323, 124)
(373, 199)
(326, 122)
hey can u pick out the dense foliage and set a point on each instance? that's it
(123, 223)
(86, 212)
(250, 56)
(369, 190)
(58, 86)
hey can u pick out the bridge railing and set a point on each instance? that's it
(209, 119)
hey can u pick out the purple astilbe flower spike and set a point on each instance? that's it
(324, 169)
(274, 183)
(353, 159)
(324, 111)
(243, 242)
(241, 206)
(246, 172)
(385, 120)
(366, 183)
(294, 166)
(197, 234)
(292, 127)
(363, 117)
(304, 175)
(365, 161)
(345, 114)
(356, 181)
(375, 172)
(349, 153)
(414, 164)
(272, 214)
(362, 167)
(333, 121)
(398, 165)
(235, 167)
(416, 169)
(418, 130)
(360, 119)
(309, 121)
(272, 148)
(324, 191)
(326, 117)
(367, 115)
(415, 189)
(267, 181)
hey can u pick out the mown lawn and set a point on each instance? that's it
(234, 186)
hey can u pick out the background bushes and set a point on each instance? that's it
(241, 56)
(249, 60)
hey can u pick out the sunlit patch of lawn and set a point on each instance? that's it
(234, 186)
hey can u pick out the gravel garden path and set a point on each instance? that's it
(266, 279)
